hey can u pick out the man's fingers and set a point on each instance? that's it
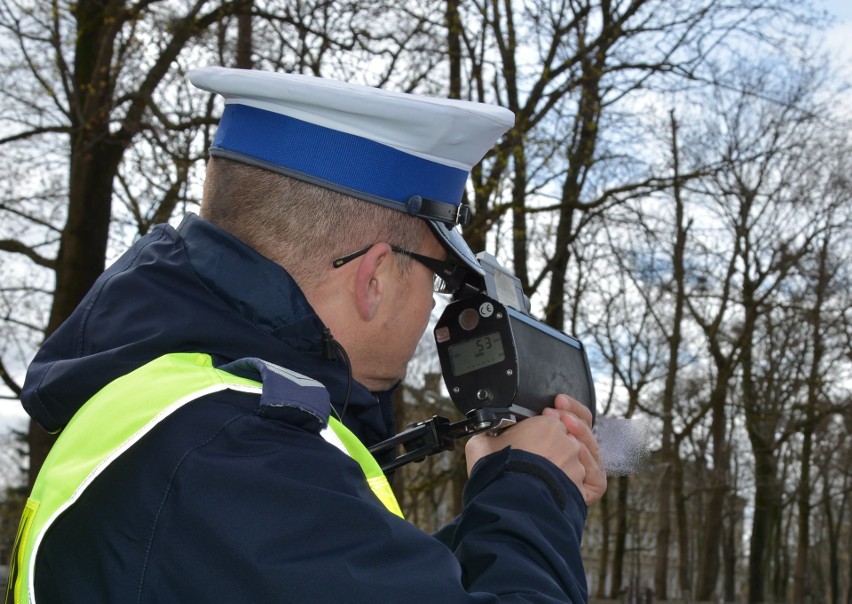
(582, 432)
(566, 403)
(577, 419)
(577, 426)
(594, 481)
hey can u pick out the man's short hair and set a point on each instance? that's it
(300, 226)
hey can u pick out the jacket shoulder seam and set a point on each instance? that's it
(168, 490)
(84, 320)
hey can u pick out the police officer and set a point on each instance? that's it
(217, 388)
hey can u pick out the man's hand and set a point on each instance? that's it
(562, 434)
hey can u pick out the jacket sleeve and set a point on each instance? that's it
(520, 530)
(316, 533)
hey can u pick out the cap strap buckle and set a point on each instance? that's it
(437, 210)
(463, 215)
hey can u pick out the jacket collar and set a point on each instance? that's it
(267, 297)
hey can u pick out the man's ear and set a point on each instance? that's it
(371, 280)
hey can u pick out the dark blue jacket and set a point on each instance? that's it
(227, 501)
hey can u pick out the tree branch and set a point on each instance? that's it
(7, 379)
(16, 247)
(34, 132)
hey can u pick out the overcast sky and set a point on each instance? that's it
(839, 38)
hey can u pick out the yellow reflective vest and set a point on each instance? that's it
(103, 429)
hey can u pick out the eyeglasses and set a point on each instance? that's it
(447, 278)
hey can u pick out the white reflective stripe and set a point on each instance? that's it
(331, 437)
(296, 378)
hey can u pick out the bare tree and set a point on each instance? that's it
(824, 281)
(100, 93)
(568, 107)
(674, 337)
(680, 248)
(770, 216)
(84, 78)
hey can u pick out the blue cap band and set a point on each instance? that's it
(338, 158)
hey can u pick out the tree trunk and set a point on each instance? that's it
(94, 161)
(800, 573)
(667, 447)
(729, 550)
(763, 530)
(708, 570)
(580, 157)
(603, 563)
(683, 536)
(454, 52)
(244, 55)
(761, 423)
(661, 563)
(620, 537)
(832, 538)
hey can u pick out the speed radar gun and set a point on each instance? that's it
(500, 366)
